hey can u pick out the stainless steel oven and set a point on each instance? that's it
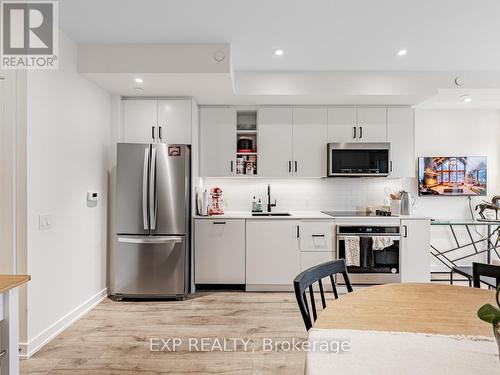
(376, 266)
(358, 159)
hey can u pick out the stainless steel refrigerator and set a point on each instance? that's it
(151, 257)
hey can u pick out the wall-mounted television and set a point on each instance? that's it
(452, 175)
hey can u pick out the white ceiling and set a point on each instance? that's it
(324, 35)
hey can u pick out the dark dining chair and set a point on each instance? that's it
(488, 274)
(306, 279)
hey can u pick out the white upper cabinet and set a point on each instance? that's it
(217, 142)
(174, 121)
(362, 124)
(342, 125)
(372, 124)
(400, 132)
(166, 121)
(309, 142)
(139, 121)
(275, 142)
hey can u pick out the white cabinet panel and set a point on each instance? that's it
(400, 133)
(139, 120)
(275, 142)
(174, 121)
(311, 259)
(309, 142)
(342, 124)
(415, 250)
(217, 142)
(372, 124)
(272, 252)
(317, 235)
(219, 251)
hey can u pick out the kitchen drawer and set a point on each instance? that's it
(219, 251)
(313, 258)
(317, 236)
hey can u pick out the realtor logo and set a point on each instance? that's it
(29, 35)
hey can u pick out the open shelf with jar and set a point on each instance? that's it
(246, 143)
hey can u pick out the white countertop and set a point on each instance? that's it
(248, 215)
(303, 215)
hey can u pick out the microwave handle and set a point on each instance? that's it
(354, 132)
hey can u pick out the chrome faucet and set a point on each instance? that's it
(269, 204)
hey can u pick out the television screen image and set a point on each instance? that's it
(452, 175)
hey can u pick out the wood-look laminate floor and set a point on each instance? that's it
(114, 338)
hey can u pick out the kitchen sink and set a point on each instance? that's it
(271, 214)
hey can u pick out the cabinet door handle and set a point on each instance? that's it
(153, 132)
(360, 132)
(391, 165)
(289, 166)
(159, 133)
(296, 166)
(219, 223)
(298, 231)
(354, 132)
(317, 235)
(232, 166)
(405, 234)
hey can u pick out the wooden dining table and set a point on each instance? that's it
(410, 307)
(409, 328)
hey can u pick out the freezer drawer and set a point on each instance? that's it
(151, 266)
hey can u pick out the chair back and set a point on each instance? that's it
(480, 270)
(305, 280)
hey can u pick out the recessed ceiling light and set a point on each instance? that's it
(138, 80)
(465, 98)
(278, 52)
(402, 52)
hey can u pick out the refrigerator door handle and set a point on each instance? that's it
(152, 190)
(145, 176)
(151, 240)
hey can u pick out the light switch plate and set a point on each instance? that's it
(44, 221)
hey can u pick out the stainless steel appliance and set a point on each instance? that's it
(151, 257)
(376, 266)
(358, 159)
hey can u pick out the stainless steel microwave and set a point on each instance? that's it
(358, 159)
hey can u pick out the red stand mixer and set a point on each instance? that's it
(216, 201)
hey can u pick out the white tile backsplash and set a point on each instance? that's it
(306, 194)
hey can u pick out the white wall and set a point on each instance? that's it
(348, 194)
(459, 132)
(7, 171)
(68, 152)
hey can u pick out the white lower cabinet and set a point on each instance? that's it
(272, 253)
(415, 250)
(219, 251)
(313, 258)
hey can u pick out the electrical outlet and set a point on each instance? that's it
(44, 222)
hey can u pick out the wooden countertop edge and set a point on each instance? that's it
(8, 282)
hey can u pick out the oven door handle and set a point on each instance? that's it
(395, 238)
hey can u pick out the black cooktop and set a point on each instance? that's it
(355, 213)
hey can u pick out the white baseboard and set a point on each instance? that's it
(38, 342)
